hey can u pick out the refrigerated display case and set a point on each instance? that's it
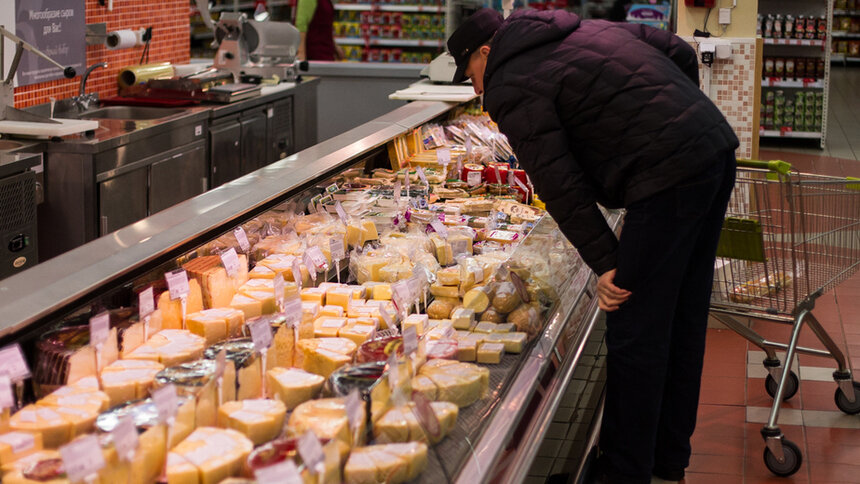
(495, 439)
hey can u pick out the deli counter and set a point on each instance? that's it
(496, 435)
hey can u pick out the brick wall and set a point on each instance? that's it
(170, 42)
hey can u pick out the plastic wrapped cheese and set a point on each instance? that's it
(170, 347)
(326, 417)
(65, 356)
(401, 424)
(216, 325)
(242, 376)
(208, 456)
(216, 286)
(386, 463)
(260, 420)
(171, 309)
(293, 386)
(125, 380)
(194, 380)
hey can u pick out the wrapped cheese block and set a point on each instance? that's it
(448, 276)
(216, 286)
(125, 380)
(514, 341)
(359, 330)
(293, 385)
(359, 232)
(45, 466)
(65, 356)
(260, 420)
(490, 352)
(388, 463)
(418, 321)
(324, 355)
(279, 450)
(326, 417)
(54, 428)
(83, 393)
(149, 457)
(15, 445)
(242, 371)
(370, 381)
(171, 309)
(170, 347)
(194, 380)
(401, 424)
(249, 306)
(145, 416)
(457, 382)
(208, 456)
(216, 325)
(328, 327)
(339, 296)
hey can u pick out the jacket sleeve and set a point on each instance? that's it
(539, 140)
(681, 53)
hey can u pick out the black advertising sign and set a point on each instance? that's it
(57, 28)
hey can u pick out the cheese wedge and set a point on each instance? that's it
(293, 386)
(260, 420)
(401, 424)
(490, 353)
(171, 310)
(326, 417)
(514, 342)
(249, 306)
(216, 325)
(216, 287)
(314, 294)
(388, 463)
(463, 318)
(125, 380)
(323, 356)
(170, 347)
(418, 321)
(52, 427)
(457, 382)
(339, 296)
(15, 445)
(208, 456)
(381, 291)
(328, 327)
(242, 376)
(194, 380)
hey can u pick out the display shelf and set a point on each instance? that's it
(389, 42)
(799, 83)
(840, 34)
(363, 7)
(851, 13)
(843, 58)
(768, 133)
(795, 42)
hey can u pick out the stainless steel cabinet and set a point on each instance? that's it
(255, 152)
(281, 129)
(122, 200)
(225, 151)
(178, 177)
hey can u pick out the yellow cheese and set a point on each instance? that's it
(332, 311)
(463, 318)
(281, 353)
(79, 396)
(448, 276)
(485, 327)
(325, 416)
(293, 386)
(460, 383)
(359, 330)
(328, 327)
(444, 291)
(208, 456)
(467, 350)
(513, 341)
(260, 420)
(170, 347)
(216, 325)
(149, 458)
(491, 352)
(125, 380)
(267, 300)
(324, 355)
(340, 296)
(249, 306)
(244, 382)
(418, 321)
(505, 328)
(423, 384)
(216, 287)
(360, 232)
(382, 292)
(54, 429)
(314, 294)
(15, 445)
(171, 310)
(388, 463)
(401, 424)
(261, 272)
(395, 272)
(368, 268)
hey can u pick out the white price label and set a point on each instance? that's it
(82, 458)
(99, 329)
(177, 283)
(146, 302)
(297, 273)
(401, 295)
(443, 156)
(293, 310)
(425, 414)
(393, 370)
(230, 260)
(13, 364)
(414, 284)
(261, 334)
(279, 289)
(125, 438)
(397, 188)
(498, 174)
(335, 245)
(317, 257)
(469, 146)
(439, 227)
(242, 239)
(311, 452)
(284, 472)
(410, 340)
(386, 318)
(520, 184)
(420, 272)
(166, 403)
(478, 272)
(309, 263)
(7, 399)
(220, 363)
(340, 212)
(473, 178)
(355, 411)
(422, 176)
(459, 166)
(407, 182)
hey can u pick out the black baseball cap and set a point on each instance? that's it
(472, 33)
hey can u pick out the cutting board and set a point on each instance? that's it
(425, 90)
(66, 127)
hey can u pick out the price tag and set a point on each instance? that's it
(425, 414)
(443, 156)
(99, 329)
(311, 452)
(498, 173)
(469, 147)
(355, 412)
(401, 295)
(397, 188)
(449, 333)
(522, 185)
(13, 364)
(177, 283)
(261, 334)
(478, 272)
(309, 263)
(297, 273)
(393, 371)
(386, 318)
(220, 363)
(231, 261)
(335, 245)
(279, 289)
(420, 272)
(440, 228)
(407, 181)
(520, 286)
(284, 472)
(410, 340)
(422, 176)
(82, 458)
(146, 302)
(242, 239)
(125, 438)
(317, 258)
(7, 399)
(293, 310)
(340, 212)
(414, 284)
(166, 403)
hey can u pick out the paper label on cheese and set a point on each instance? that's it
(309, 263)
(166, 402)
(317, 258)
(293, 310)
(261, 334)
(125, 438)
(341, 212)
(13, 364)
(19, 441)
(220, 363)
(443, 156)
(230, 260)
(332, 323)
(99, 329)
(473, 178)
(279, 290)
(146, 302)
(459, 246)
(478, 272)
(335, 246)
(82, 458)
(355, 411)
(177, 284)
(297, 273)
(410, 340)
(242, 239)
(439, 227)
(284, 472)
(397, 188)
(7, 400)
(425, 414)
(311, 452)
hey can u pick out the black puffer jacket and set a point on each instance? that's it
(599, 112)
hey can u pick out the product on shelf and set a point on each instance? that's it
(390, 463)
(208, 455)
(260, 420)
(242, 378)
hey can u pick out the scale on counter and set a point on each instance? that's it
(441, 69)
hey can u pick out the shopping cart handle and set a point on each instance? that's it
(775, 166)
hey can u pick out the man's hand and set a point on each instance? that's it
(610, 296)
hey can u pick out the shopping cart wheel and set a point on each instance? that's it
(792, 458)
(791, 385)
(851, 408)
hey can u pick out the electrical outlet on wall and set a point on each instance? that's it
(725, 16)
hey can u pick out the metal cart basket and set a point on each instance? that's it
(788, 238)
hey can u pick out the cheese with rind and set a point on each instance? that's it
(326, 417)
(216, 325)
(457, 382)
(208, 456)
(125, 380)
(260, 420)
(293, 386)
(401, 424)
(386, 463)
(324, 355)
(171, 309)
(170, 347)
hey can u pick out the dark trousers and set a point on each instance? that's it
(656, 340)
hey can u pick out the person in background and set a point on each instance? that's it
(315, 21)
(611, 113)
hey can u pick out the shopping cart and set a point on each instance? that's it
(788, 238)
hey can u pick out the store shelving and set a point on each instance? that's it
(795, 42)
(784, 133)
(793, 83)
(845, 35)
(844, 58)
(380, 42)
(363, 7)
